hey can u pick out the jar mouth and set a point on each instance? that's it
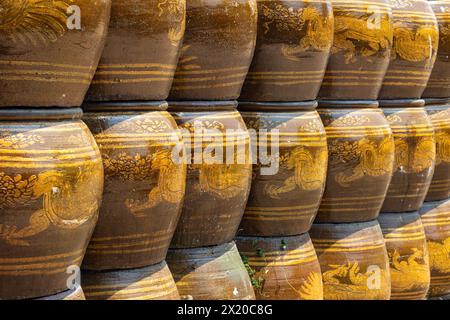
(124, 106)
(202, 105)
(33, 114)
(277, 106)
(402, 103)
(348, 104)
(436, 101)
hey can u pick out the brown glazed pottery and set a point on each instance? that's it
(49, 50)
(415, 154)
(289, 177)
(439, 113)
(353, 260)
(282, 268)
(210, 273)
(293, 44)
(51, 182)
(74, 294)
(407, 249)
(439, 83)
(141, 51)
(361, 50)
(218, 175)
(436, 221)
(414, 50)
(360, 161)
(217, 49)
(144, 183)
(149, 283)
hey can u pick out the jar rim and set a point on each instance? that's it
(33, 114)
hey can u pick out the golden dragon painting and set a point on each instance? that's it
(415, 45)
(417, 160)
(411, 273)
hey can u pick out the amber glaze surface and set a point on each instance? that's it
(217, 49)
(416, 40)
(43, 62)
(360, 161)
(286, 191)
(361, 50)
(292, 49)
(436, 221)
(353, 260)
(407, 249)
(144, 184)
(141, 51)
(74, 294)
(210, 273)
(282, 268)
(439, 83)
(415, 154)
(149, 283)
(218, 180)
(51, 182)
(439, 113)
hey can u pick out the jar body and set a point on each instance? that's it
(293, 44)
(51, 52)
(351, 256)
(51, 183)
(144, 186)
(141, 51)
(76, 294)
(360, 162)
(217, 50)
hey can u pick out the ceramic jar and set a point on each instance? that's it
(436, 221)
(51, 183)
(49, 50)
(282, 268)
(415, 154)
(144, 184)
(210, 273)
(286, 190)
(414, 50)
(141, 51)
(407, 249)
(439, 113)
(361, 49)
(293, 44)
(360, 161)
(149, 283)
(439, 83)
(218, 175)
(217, 49)
(353, 260)
(75, 294)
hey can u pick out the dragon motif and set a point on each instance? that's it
(33, 21)
(410, 273)
(442, 147)
(439, 256)
(416, 46)
(373, 159)
(178, 12)
(312, 288)
(310, 172)
(354, 38)
(422, 158)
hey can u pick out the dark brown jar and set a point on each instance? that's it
(144, 183)
(415, 154)
(282, 268)
(290, 146)
(436, 221)
(218, 175)
(361, 49)
(360, 161)
(141, 51)
(210, 273)
(353, 260)
(51, 184)
(150, 283)
(414, 50)
(217, 49)
(439, 83)
(292, 49)
(49, 50)
(439, 112)
(74, 294)
(407, 249)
